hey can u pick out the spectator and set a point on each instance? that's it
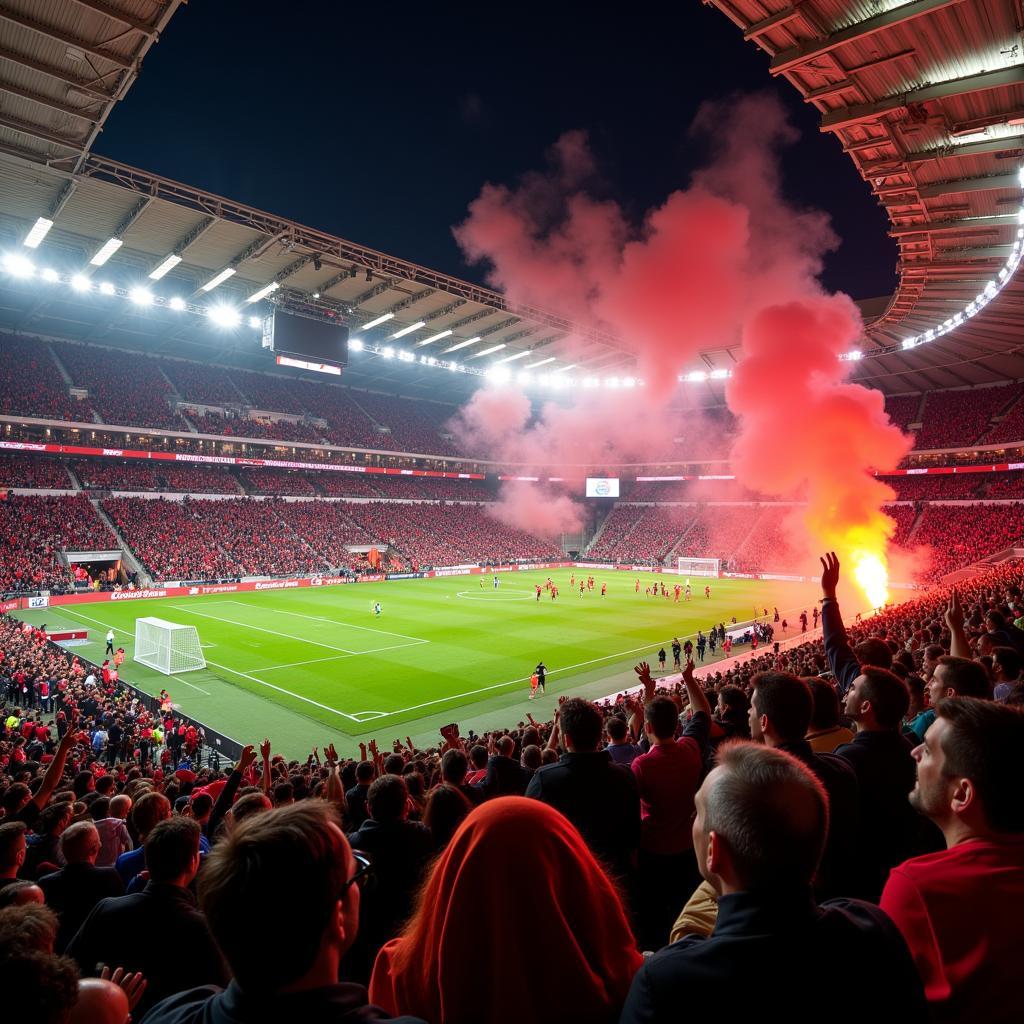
(248, 890)
(552, 889)
(600, 798)
(505, 775)
(355, 798)
(621, 748)
(12, 852)
(953, 677)
(446, 808)
(147, 813)
(780, 710)
(759, 832)
(140, 931)
(454, 769)
(399, 850)
(77, 887)
(968, 785)
(668, 777)
(825, 732)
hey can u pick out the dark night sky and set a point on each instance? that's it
(381, 126)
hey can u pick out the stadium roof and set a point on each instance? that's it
(926, 96)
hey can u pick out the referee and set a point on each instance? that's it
(542, 672)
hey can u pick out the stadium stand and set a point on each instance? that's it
(1011, 427)
(414, 425)
(21, 471)
(905, 516)
(201, 382)
(903, 409)
(431, 488)
(244, 426)
(949, 486)
(124, 388)
(31, 384)
(959, 535)
(274, 481)
(954, 419)
(184, 479)
(34, 529)
(117, 476)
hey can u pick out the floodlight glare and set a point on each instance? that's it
(176, 303)
(18, 266)
(37, 232)
(224, 316)
(141, 296)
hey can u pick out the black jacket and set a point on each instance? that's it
(157, 931)
(355, 798)
(400, 851)
(761, 940)
(339, 1004)
(505, 777)
(600, 798)
(73, 891)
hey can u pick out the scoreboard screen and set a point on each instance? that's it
(602, 486)
(309, 341)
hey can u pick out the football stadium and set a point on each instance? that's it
(602, 578)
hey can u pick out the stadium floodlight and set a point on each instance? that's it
(611, 382)
(524, 379)
(541, 362)
(499, 374)
(696, 376)
(37, 232)
(50, 275)
(515, 355)
(629, 382)
(217, 279)
(176, 303)
(591, 382)
(433, 338)
(255, 323)
(355, 345)
(461, 344)
(106, 288)
(18, 266)
(105, 251)
(263, 292)
(408, 330)
(909, 343)
(453, 366)
(168, 264)
(383, 318)
(224, 316)
(853, 355)
(562, 369)
(81, 283)
(488, 351)
(406, 357)
(388, 352)
(141, 296)
(720, 374)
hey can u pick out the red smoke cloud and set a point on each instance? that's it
(724, 263)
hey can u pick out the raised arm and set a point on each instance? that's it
(841, 659)
(959, 646)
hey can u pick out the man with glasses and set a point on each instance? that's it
(281, 895)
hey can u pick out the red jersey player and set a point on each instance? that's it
(637, 587)
(604, 589)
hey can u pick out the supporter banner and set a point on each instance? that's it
(38, 602)
(329, 581)
(452, 572)
(9, 606)
(226, 460)
(213, 588)
(372, 578)
(594, 565)
(405, 575)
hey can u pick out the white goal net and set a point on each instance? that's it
(699, 566)
(168, 647)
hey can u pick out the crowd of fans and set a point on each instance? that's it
(1011, 427)
(124, 387)
(34, 529)
(850, 803)
(202, 382)
(185, 479)
(276, 481)
(414, 426)
(40, 474)
(245, 426)
(961, 534)
(31, 384)
(940, 487)
(903, 409)
(905, 517)
(954, 419)
(131, 475)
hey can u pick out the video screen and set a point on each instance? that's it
(602, 486)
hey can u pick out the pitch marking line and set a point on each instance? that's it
(109, 625)
(337, 622)
(263, 629)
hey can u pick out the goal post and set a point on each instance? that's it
(168, 647)
(699, 567)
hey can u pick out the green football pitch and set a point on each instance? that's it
(310, 666)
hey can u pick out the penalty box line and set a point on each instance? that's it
(337, 622)
(236, 672)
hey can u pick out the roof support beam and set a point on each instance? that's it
(132, 216)
(987, 183)
(56, 74)
(62, 37)
(784, 16)
(789, 59)
(981, 148)
(39, 133)
(46, 101)
(119, 16)
(967, 226)
(845, 117)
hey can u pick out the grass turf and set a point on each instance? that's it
(306, 666)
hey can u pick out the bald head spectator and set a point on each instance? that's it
(759, 832)
(248, 889)
(78, 886)
(115, 838)
(158, 932)
(960, 909)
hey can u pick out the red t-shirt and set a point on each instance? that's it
(668, 777)
(961, 912)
